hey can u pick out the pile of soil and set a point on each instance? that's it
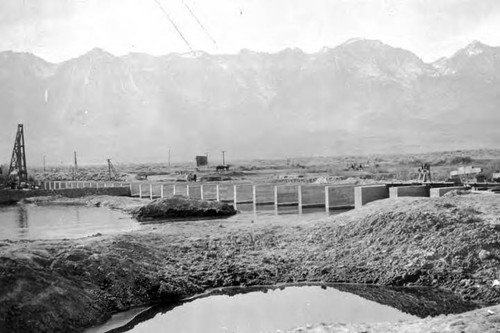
(66, 285)
(182, 207)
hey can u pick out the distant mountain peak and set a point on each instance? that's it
(292, 50)
(98, 53)
(475, 48)
(362, 41)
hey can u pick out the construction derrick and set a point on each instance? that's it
(424, 173)
(112, 171)
(18, 169)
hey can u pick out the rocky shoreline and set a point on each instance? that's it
(66, 285)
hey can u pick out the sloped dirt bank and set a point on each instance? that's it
(66, 285)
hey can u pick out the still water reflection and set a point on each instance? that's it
(23, 221)
(263, 310)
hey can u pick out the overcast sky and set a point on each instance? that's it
(60, 29)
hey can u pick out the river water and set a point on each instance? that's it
(27, 221)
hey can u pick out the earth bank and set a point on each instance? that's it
(449, 242)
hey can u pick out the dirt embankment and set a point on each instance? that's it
(451, 242)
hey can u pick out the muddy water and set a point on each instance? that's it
(264, 310)
(23, 221)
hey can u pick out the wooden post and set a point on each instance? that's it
(173, 191)
(254, 198)
(140, 191)
(97, 185)
(327, 199)
(217, 192)
(187, 190)
(201, 192)
(161, 191)
(299, 192)
(130, 186)
(275, 198)
(235, 197)
(151, 191)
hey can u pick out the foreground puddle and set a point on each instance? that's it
(268, 310)
(24, 221)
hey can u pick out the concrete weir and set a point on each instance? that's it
(409, 191)
(440, 191)
(366, 194)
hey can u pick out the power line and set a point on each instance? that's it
(199, 23)
(174, 25)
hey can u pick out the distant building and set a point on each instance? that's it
(201, 161)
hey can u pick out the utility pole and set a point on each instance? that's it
(223, 160)
(75, 168)
(207, 158)
(169, 169)
(44, 164)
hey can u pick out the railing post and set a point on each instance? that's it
(254, 197)
(327, 199)
(187, 190)
(161, 191)
(140, 191)
(201, 192)
(217, 192)
(151, 191)
(276, 197)
(235, 197)
(299, 191)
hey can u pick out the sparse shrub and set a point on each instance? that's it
(461, 160)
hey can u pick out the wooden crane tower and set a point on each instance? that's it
(18, 168)
(112, 171)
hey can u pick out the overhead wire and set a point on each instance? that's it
(174, 25)
(199, 23)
